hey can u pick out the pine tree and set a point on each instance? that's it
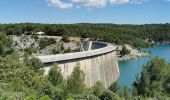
(97, 89)
(126, 94)
(114, 87)
(55, 75)
(75, 83)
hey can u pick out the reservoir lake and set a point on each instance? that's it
(130, 68)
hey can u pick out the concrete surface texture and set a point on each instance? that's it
(98, 65)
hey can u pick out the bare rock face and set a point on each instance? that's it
(23, 42)
(70, 45)
(30, 42)
(134, 53)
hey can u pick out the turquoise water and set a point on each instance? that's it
(130, 68)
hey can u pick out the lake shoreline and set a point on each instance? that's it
(134, 54)
(130, 68)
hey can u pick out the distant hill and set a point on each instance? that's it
(136, 35)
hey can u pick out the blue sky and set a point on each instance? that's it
(85, 11)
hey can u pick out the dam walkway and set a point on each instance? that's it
(76, 55)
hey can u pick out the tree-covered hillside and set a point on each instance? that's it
(119, 34)
(23, 79)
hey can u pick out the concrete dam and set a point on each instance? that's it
(98, 62)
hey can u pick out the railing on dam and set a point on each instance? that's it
(77, 55)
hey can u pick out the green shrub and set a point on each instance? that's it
(46, 97)
(65, 38)
(44, 42)
(30, 50)
(124, 51)
(55, 51)
(34, 63)
(106, 95)
(55, 75)
(93, 97)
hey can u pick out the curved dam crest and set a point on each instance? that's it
(98, 64)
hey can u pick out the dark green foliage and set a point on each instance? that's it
(8, 67)
(65, 38)
(30, 50)
(93, 97)
(114, 87)
(154, 79)
(126, 94)
(97, 89)
(5, 44)
(34, 63)
(75, 83)
(167, 85)
(119, 34)
(124, 51)
(28, 29)
(26, 75)
(53, 31)
(49, 30)
(44, 88)
(30, 97)
(45, 97)
(106, 95)
(62, 46)
(46, 42)
(144, 83)
(57, 94)
(55, 76)
(60, 32)
(35, 37)
(56, 51)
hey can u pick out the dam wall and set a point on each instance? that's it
(98, 64)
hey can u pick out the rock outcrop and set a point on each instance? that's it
(134, 53)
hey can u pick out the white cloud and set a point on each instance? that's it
(119, 1)
(91, 3)
(138, 1)
(60, 4)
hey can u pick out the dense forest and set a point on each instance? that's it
(23, 79)
(135, 35)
